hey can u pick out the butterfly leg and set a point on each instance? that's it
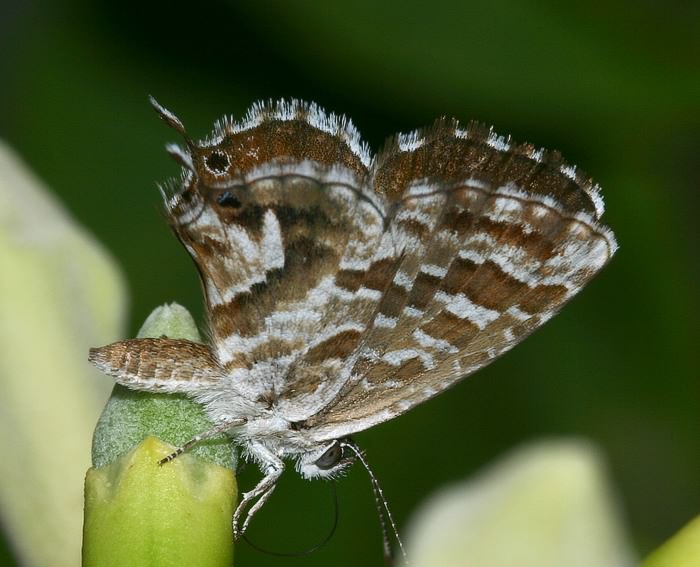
(222, 427)
(272, 467)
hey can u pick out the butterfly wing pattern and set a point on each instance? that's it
(269, 237)
(491, 239)
(343, 288)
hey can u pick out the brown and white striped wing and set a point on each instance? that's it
(275, 211)
(271, 291)
(478, 264)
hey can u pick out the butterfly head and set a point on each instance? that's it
(325, 461)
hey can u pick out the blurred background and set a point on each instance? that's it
(614, 85)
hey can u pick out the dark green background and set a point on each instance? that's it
(615, 86)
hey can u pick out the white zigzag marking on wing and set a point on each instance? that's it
(426, 341)
(413, 312)
(385, 322)
(398, 357)
(461, 306)
(272, 245)
(420, 187)
(416, 215)
(523, 267)
(506, 209)
(512, 190)
(403, 280)
(388, 247)
(434, 270)
(525, 271)
(356, 264)
(367, 293)
(517, 313)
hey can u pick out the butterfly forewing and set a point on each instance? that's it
(277, 241)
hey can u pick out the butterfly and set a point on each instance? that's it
(344, 288)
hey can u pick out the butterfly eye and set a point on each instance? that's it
(330, 458)
(217, 162)
(228, 199)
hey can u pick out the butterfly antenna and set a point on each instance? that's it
(382, 506)
(310, 550)
(175, 151)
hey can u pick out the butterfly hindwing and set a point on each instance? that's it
(484, 262)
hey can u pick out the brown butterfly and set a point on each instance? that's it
(342, 288)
